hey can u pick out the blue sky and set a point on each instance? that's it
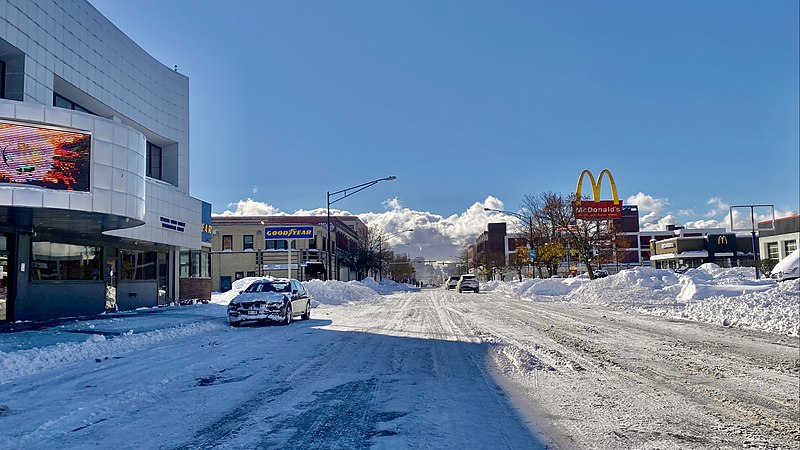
(690, 103)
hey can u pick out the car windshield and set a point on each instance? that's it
(270, 286)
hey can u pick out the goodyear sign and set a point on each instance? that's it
(306, 232)
(597, 209)
(206, 218)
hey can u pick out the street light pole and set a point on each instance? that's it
(344, 193)
(529, 219)
(380, 250)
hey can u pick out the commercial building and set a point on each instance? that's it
(251, 246)
(94, 169)
(725, 250)
(776, 243)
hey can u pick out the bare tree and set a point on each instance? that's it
(401, 268)
(591, 241)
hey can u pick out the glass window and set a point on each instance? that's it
(184, 263)
(205, 265)
(153, 161)
(251, 273)
(772, 250)
(278, 244)
(789, 247)
(62, 102)
(2, 79)
(195, 264)
(227, 242)
(137, 265)
(52, 261)
(247, 242)
(238, 275)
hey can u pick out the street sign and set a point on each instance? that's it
(532, 253)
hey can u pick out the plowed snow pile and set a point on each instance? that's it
(728, 297)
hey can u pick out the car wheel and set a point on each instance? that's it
(460, 291)
(307, 315)
(287, 318)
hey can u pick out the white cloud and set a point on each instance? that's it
(651, 211)
(434, 235)
(251, 207)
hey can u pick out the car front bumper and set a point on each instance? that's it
(275, 314)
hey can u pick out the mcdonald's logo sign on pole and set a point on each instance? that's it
(597, 209)
(722, 240)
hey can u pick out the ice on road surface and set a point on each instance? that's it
(425, 369)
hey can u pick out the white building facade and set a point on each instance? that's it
(94, 176)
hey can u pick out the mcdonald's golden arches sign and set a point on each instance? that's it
(597, 209)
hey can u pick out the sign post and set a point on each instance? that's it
(290, 234)
(742, 226)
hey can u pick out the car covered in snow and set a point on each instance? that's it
(451, 282)
(788, 268)
(468, 282)
(270, 300)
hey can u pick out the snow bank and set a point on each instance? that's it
(324, 292)
(775, 310)
(96, 346)
(339, 292)
(386, 286)
(729, 297)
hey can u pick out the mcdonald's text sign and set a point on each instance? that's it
(594, 210)
(597, 209)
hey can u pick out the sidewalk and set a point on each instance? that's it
(18, 336)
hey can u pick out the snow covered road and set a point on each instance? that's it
(429, 370)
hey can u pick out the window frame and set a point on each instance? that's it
(789, 246)
(152, 151)
(248, 245)
(229, 239)
(90, 268)
(773, 250)
(68, 104)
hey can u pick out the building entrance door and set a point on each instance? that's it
(163, 279)
(111, 280)
(6, 266)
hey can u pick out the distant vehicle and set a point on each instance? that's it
(270, 300)
(788, 268)
(600, 273)
(468, 282)
(451, 283)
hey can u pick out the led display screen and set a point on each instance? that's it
(45, 157)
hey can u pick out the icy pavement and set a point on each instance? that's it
(517, 367)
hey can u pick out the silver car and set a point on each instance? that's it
(468, 282)
(273, 300)
(451, 283)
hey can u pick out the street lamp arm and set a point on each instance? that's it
(517, 215)
(354, 189)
